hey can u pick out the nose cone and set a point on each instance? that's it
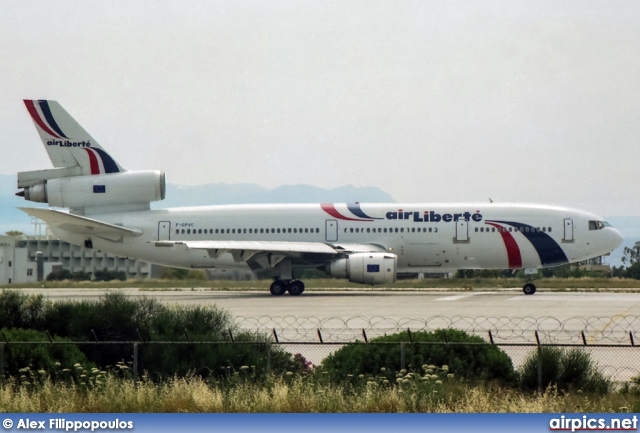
(616, 238)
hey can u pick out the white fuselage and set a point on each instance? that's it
(425, 237)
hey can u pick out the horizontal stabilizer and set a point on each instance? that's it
(80, 224)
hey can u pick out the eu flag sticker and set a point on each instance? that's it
(99, 189)
(373, 268)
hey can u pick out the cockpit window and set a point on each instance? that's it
(598, 225)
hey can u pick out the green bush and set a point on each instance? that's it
(61, 275)
(568, 370)
(475, 361)
(18, 310)
(38, 356)
(105, 275)
(206, 323)
(117, 317)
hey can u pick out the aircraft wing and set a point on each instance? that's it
(255, 252)
(80, 224)
(216, 248)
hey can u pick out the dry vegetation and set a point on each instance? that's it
(297, 394)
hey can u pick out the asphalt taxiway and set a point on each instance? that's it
(380, 303)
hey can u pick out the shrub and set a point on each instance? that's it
(21, 311)
(477, 360)
(38, 356)
(61, 275)
(568, 370)
(105, 275)
(117, 317)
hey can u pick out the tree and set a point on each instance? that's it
(631, 255)
(14, 233)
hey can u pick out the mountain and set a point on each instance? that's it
(222, 193)
(200, 195)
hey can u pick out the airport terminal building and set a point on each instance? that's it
(18, 259)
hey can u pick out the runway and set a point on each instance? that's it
(341, 316)
(389, 304)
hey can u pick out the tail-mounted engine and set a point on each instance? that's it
(366, 268)
(131, 190)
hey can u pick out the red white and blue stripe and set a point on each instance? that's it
(353, 208)
(100, 162)
(41, 114)
(549, 251)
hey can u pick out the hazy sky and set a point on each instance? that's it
(429, 100)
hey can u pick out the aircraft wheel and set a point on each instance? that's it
(529, 289)
(296, 288)
(278, 288)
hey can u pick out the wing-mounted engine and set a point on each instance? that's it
(366, 268)
(103, 193)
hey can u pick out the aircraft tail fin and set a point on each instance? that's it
(67, 143)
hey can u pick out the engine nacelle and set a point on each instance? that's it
(366, 268)
(98, 191)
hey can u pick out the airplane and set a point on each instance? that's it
(109, 210)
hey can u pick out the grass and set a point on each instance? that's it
(462, 284)
(436, 390)
(297, 394)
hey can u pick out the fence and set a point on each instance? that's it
(610, 341)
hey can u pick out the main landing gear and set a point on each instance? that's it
(280, 287)
(529, 288)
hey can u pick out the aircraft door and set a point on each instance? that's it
(462, 231)
(568, 230)
(331, 227)
(164, 230)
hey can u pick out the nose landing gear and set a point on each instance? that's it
(529, 288)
